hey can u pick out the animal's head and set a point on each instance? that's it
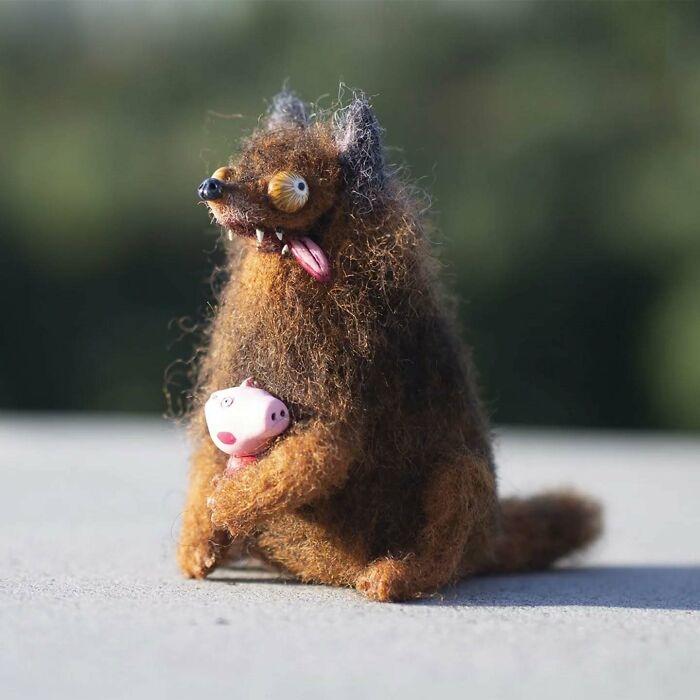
(294, 175)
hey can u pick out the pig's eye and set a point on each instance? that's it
(226, 402)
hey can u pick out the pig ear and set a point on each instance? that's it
(249, 382)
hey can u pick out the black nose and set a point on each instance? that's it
(211, 189)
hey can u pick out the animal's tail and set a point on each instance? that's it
(537, 531)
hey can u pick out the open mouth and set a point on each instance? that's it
(303, 249)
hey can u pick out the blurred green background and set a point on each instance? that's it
(558, 141)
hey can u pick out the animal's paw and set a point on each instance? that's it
(217, 513)
(215, 501)
(197, 559)
(385, 580)
(223, 506)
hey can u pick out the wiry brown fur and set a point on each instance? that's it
(385, 481)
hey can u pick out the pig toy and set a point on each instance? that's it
(243, 420)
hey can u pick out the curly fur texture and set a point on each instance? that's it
(385, 482)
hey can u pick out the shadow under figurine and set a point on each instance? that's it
(384, 480)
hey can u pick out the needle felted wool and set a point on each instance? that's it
(385, 482)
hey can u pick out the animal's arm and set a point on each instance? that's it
(201, 544)
(306, 465)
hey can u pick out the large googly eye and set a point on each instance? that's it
(226, 402)
(223, 174)
(288, 192)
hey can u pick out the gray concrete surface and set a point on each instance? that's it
(91, 603)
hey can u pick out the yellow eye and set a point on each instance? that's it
(288, 192)
(223, 174)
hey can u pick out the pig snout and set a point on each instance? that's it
(266, 420)
(276, 418)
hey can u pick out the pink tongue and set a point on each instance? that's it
(311, 258)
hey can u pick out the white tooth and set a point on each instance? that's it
(279, 233)
(285, 250)
(259, 234)
(230, 235)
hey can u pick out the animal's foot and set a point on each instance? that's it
(197, 559)
(385, 580)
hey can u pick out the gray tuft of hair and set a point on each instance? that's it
(359, 139)
(286, 110)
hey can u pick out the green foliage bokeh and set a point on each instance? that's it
(557, 141)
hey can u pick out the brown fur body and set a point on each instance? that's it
(385, 482)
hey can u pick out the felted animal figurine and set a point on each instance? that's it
(243, 420)
(386, 481)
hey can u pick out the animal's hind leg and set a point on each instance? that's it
(459, 506)
(310, 548)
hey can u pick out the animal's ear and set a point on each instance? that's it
(286, 109)
(359, 140)
(250, 381)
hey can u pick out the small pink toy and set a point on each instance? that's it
(242, 420)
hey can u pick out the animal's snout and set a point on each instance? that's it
(211, 189)
(277, 413)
